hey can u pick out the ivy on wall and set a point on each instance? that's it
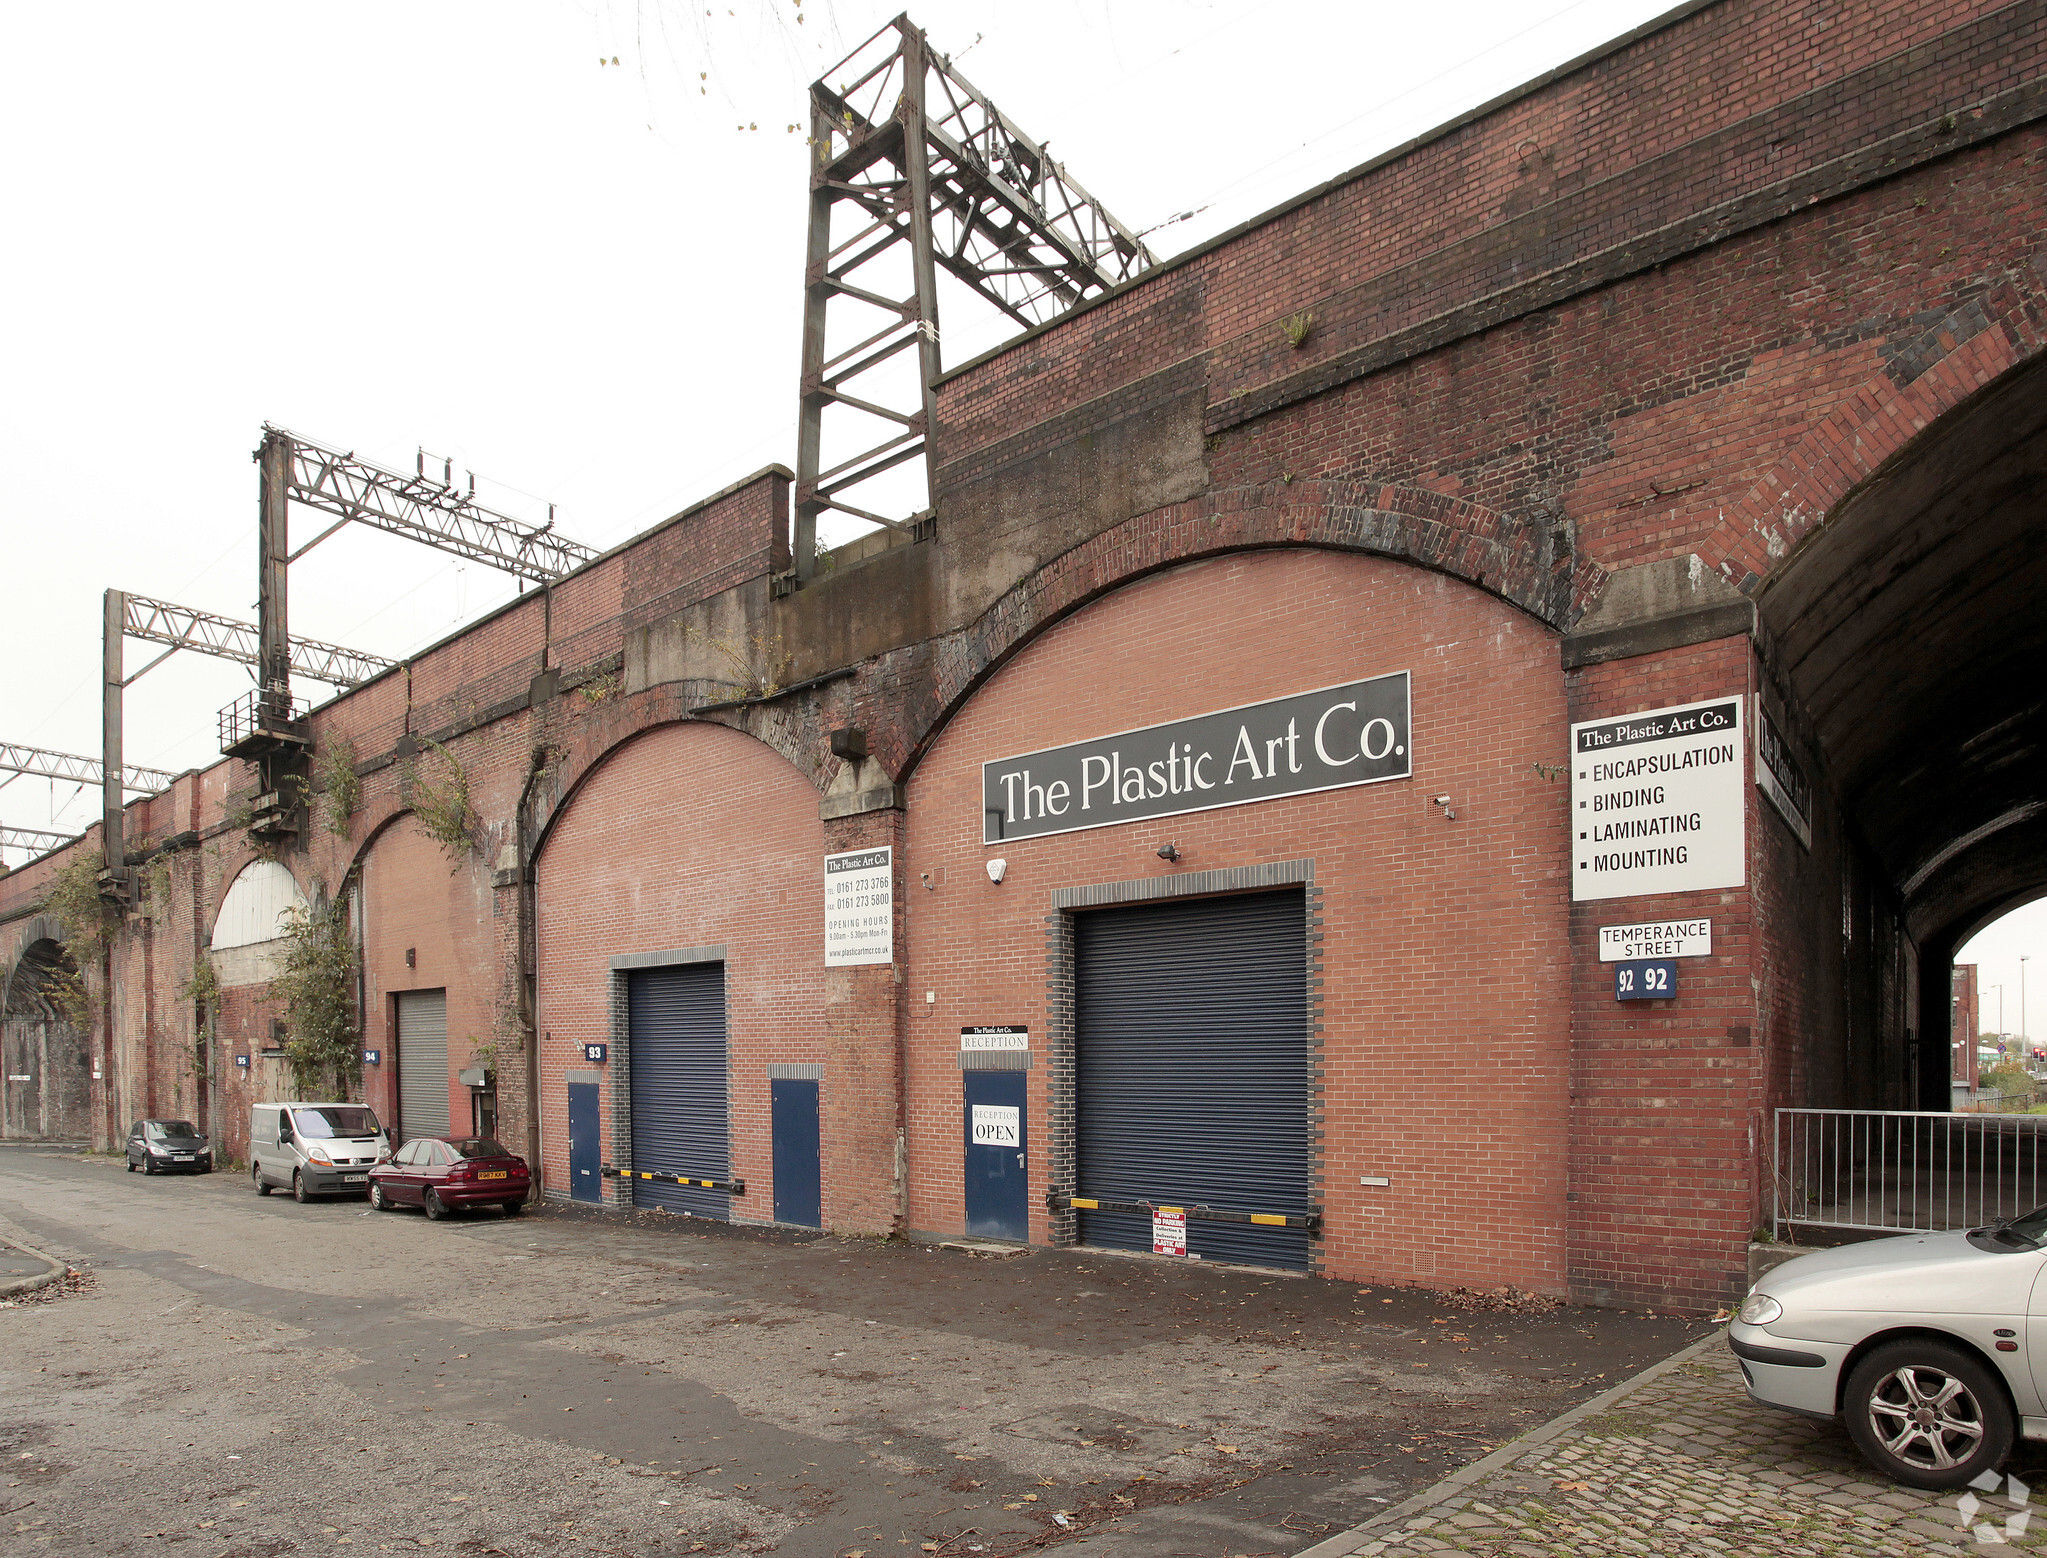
(336, 788)
(438, 794)
(74, 901)
(315, 985)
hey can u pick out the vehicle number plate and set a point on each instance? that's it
(354, 1179)
(181, 1157)
(492, 1174)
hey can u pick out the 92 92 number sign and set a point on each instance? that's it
(1645, 979)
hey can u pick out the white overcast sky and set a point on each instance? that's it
(445, 223)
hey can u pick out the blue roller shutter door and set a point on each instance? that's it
(676, 1026)
(1191, 1049)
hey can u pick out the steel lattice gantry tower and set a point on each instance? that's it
(921, 158)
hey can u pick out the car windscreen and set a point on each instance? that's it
(2028, 1230)
(477, 1147)
(178, 1130)
(335, 1120)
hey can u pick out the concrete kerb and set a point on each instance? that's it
(1347, 1542)
(30, 1284)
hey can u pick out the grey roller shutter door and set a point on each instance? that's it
(423, 1063)
(676, 1057)
(1191, 1051)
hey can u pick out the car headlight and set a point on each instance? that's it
(1760, 1309)
(319, 1155)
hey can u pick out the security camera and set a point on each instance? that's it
(1440, 800)
(995, 870)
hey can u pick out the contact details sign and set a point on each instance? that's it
(1357, 733)
(859, 907)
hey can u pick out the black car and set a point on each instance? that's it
(166, 1146)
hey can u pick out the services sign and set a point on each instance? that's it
(1658, 802)
(1356, 733)
(859, 907)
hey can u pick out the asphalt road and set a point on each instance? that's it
(244, 1377)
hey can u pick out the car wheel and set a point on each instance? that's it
(131, 1165)
(299, 1192)
(1928, 1414)
(514, 1208)
(379, 1200)
(432, 1204)
(256, 1174)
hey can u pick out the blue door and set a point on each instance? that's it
(997, 1205)
(798, 1190)
(586, 1183)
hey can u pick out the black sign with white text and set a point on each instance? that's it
(1357, 733)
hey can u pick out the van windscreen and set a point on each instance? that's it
(335, 1120)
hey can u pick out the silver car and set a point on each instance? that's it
(1922, 1347)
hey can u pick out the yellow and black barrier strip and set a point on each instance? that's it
(736, 1186)
(1311, 1221)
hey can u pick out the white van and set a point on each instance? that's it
(315, 1149)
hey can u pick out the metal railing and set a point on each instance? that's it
(256, 713)
(1899, 1171)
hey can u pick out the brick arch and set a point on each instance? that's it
(42, 927)
(587, 767)
(1924, 377)
(1527, 564)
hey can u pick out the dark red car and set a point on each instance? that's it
(447, 1174)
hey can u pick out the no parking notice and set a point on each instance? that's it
(1658, 803)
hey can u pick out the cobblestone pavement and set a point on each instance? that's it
(1680, 1461)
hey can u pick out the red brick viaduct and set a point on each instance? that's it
(1706, 364)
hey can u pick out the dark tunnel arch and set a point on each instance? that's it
(40, 1041)
(1911, 628)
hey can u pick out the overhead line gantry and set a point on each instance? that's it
(921, 157)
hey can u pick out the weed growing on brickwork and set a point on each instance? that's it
(316, 987)
(441, 803)
(335, 785)
(241, 813)
(759, 663)
(203, 990)
(1297, 328)
(76, 904)
(602, 689)
(156, 887)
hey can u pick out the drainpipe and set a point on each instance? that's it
(528, 970)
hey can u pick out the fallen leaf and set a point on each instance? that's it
(1572, 1487)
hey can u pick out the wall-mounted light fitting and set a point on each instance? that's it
(1169, 850)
